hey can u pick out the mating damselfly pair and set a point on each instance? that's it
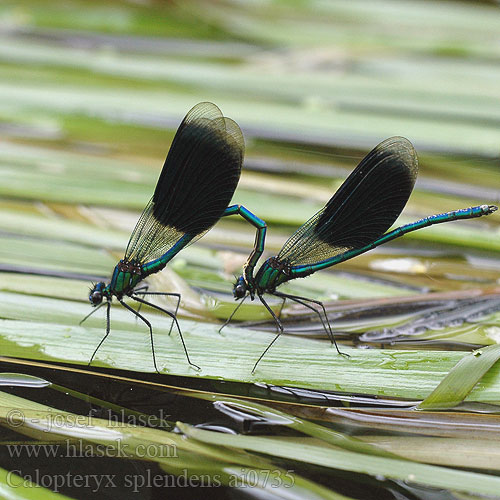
(195, 187)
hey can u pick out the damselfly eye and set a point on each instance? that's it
(95, 298)
(239, 291)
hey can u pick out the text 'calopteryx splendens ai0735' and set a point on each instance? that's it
(196, 184)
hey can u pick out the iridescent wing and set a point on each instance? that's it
(362, 209)
(196, 184)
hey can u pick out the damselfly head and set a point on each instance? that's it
(240, 288)
(96, 293)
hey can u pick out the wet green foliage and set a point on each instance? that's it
(92, 93)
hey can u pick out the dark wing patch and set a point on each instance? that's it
(196, 184)
(362, 209)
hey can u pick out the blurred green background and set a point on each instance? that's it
(92, 92)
